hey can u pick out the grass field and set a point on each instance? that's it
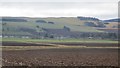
(58, 40)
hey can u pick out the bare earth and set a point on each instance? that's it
(61, 57)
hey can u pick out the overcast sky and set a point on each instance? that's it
(62, 8)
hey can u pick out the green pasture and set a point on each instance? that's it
(27, 40)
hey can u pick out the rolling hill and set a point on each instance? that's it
(61, 26)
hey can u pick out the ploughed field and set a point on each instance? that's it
(62, 56)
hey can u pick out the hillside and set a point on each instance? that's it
(112, 20)
(62, 26)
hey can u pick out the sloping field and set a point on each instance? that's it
(14, 24)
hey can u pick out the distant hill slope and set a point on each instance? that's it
(112, 20)
(62, 25)
(112, 23)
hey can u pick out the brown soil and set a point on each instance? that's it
(61, 56)
(68, 44)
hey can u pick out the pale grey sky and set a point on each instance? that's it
(63, 8)
(59, 0)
